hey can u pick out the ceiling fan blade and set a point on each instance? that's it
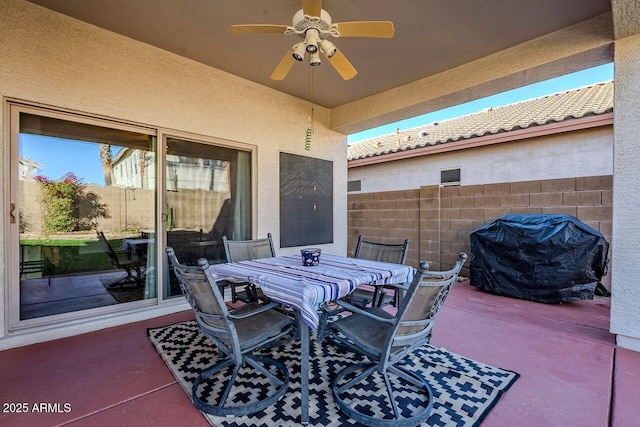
(257, 29)
(342, 65)
(284, 66)
(380, 29)
(311, 7)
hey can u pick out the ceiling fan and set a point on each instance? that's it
(313, 24)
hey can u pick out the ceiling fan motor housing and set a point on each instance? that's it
(302, 23)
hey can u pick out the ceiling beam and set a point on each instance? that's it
(586, 44)
(626, 21)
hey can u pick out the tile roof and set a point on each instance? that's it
(576, 103)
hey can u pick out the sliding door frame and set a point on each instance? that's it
(11, 235)
(163, 135)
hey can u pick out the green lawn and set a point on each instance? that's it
(68, 256)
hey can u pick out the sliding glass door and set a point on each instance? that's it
(85, 212)
(94, 202)
(208, 195)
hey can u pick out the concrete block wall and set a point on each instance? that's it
(386, 217)
(132, 208)
(439, 220)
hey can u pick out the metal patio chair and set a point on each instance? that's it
(237, 334)
(385, 252)
(246, 250)
(123, 260)
(385, 340)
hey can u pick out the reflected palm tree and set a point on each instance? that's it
(105, 158)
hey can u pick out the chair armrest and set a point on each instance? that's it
(234, 280)
(123, 252)
(437, 274)
(260, 308)
(208, 317)
(329, 311)
(401, 286)
(362, 312)
(127, 254)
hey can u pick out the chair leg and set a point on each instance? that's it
(352, 396)
(378, 294)
(139, 275)
(230, 383)
(280, 378)
(249, 289)
(391, 394)
(322, 330)
(252, 293)
(129, 278)
(396, 298)
(322, 325)
(381, 294)
(124, 281)
(234, 296)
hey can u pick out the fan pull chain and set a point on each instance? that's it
(310, 128)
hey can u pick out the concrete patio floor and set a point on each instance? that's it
(571, 372)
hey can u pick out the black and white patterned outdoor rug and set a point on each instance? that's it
(464, 390)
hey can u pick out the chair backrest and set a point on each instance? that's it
(385, 252)
(106, 246)
(245, 250)
(198, 285)
(419, 307)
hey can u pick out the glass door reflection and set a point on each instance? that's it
(208, 195)
(86, 192)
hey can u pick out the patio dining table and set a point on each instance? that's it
(305, 288)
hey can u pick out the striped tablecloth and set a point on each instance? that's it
(285, 280)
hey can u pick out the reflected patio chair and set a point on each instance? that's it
(385, 252)
(246, 250)
(386, 340)
(123, 260)
(237, 334)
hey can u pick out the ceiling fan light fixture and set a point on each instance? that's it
(328, 48)
(314, 59)
(311, 40)
(314, 27)
(298, 51)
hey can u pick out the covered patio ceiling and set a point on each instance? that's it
(427, 65)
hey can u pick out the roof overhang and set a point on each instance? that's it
(498, 138)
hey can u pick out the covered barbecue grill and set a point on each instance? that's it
(548, 258)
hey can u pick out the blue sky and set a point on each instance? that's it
(558, 84)
(57, 157)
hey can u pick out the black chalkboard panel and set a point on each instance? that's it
(306, 201)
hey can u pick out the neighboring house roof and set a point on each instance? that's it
(558, 107)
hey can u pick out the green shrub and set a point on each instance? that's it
(60, 202)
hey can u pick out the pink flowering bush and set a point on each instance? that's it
(60, 202)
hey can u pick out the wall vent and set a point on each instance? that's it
(354, 185)
(450, 176)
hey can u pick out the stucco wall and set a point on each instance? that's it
(566, 155)
(51, 59)
(625, 302)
